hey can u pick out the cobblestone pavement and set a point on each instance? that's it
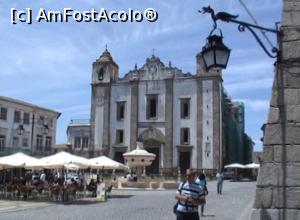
(235, 203)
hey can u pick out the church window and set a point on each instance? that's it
(185, 108)
(151, 107)
(26, 118)
(85, 142)
(119, 136)
(207, 149)
(39, 142)
(3, 113)
(185, 136)
(120, 110)
(48, 143)
(17, 117)
(101, 74)
(77, 142)
(2, 142)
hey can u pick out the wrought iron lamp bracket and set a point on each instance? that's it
(242, 26)
(226, 17)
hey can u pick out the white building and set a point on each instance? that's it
(178, 116)
(26, 127)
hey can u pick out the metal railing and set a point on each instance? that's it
(80, 121)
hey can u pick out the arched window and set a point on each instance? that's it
(101, 74)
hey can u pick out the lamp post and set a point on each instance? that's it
(216, 54)
(20, 130)
(279, 169)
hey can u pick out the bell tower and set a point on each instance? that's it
(209, 116)
(105, 72)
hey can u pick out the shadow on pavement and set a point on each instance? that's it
(120, 196)
(208, 216)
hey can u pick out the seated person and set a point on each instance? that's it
(92, 187)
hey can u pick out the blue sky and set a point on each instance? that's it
(50, 64)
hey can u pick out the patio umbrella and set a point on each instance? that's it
(59, 160)
(235, 165)
(16, 160)
(71, 166)
(252, 166)
(106, 163)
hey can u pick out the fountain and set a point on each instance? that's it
(139, 159)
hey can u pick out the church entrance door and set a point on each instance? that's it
(154, 167)
(184, 161)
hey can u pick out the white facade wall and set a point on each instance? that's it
(141, 130)
(120, 92)
(185, 88)
(207, 123)
(149, 88)
(99, 127)
(9, 128)
(78, 130)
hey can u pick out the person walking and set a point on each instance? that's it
(219, 182)
(189, 196)
(201, 181)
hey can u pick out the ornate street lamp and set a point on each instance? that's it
(20, 130)
(242, 26)
(45, 129)
(215, 53)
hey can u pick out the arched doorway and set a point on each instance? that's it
(153, 140)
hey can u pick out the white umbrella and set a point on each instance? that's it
(60, 159)
(16, 160)
(235, 165)
(252, 166)
(36, 164)
(71, 166)
(106, 163)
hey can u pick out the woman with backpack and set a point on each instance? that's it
(201, 181)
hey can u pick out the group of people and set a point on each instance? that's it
(191, 194)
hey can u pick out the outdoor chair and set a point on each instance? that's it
(108, 191)
(80, 192)
(11, 191)
(92, 188)
(55, 192)
(23, 192)
(2, 190)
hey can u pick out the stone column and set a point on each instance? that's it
(278, 185)
(134, 114)
(217, 123)
(106, 120)
(168, 147)
(199, 123)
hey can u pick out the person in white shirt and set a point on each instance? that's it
(43, 177)
(219, 177)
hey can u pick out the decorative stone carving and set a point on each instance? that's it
(100, 100)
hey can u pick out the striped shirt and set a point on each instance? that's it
(190, 189)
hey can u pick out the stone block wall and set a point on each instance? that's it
(278, 184)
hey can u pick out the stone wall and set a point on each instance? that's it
(278, 186)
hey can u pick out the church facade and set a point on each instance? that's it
(177, 115)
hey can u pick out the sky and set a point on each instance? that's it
(50, 64)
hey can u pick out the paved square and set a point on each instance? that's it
(235, 203)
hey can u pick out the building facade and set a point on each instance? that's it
(177, 116)
(26, 127)
(238, 146)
